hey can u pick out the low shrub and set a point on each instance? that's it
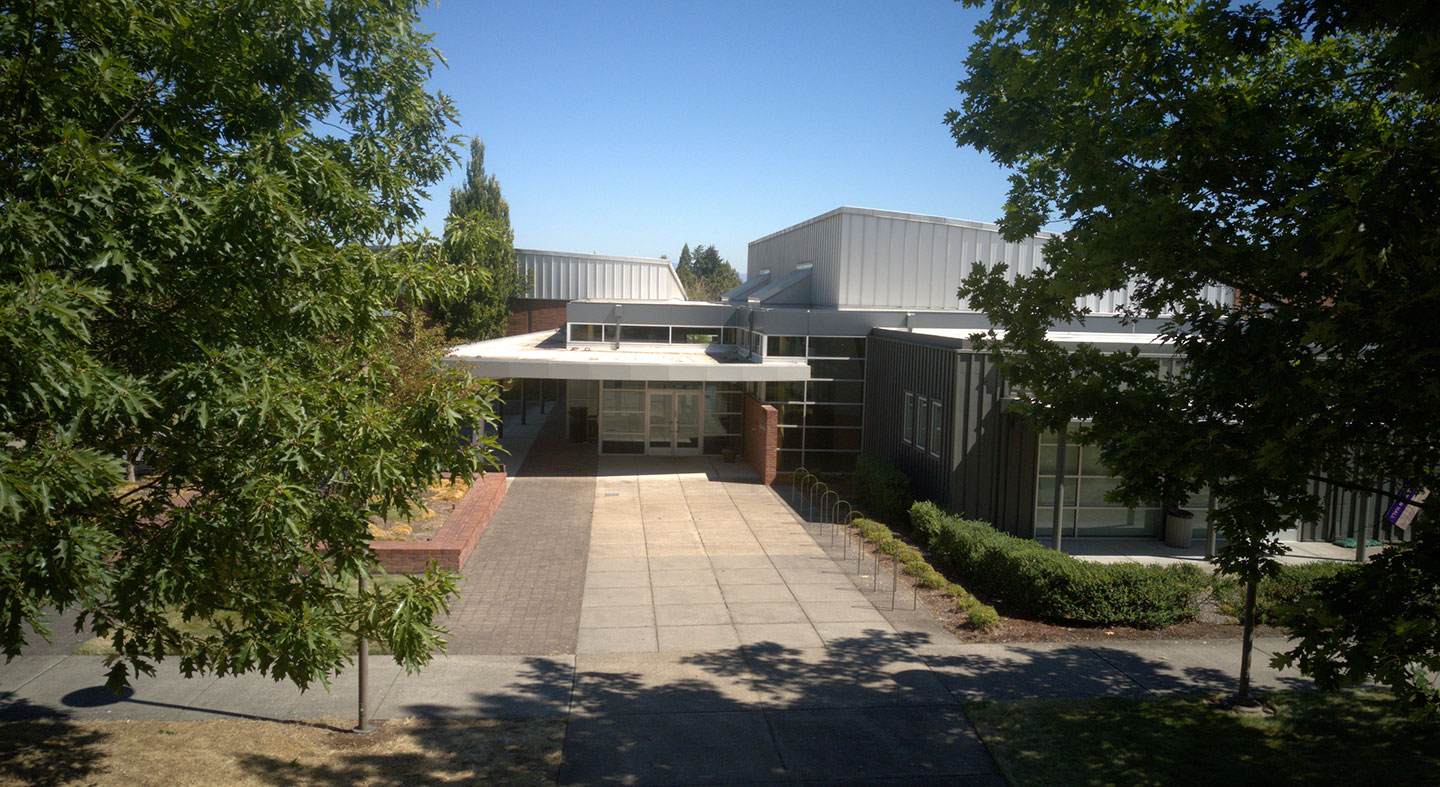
(983, 616)
(872, 530)
(882, 490)
(913, 561)
(1274, 594)
(930, 578)
(1041, 583)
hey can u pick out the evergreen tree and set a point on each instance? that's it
(479, 241)
(480, 192)
(705, 275)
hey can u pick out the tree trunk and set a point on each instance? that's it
(1247, 641)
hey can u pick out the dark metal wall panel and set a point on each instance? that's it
(993, 476)
(891, 369)
(987, 464)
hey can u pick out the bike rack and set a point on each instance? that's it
(849, 515)
(819, 488)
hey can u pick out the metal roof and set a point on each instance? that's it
(571, 276)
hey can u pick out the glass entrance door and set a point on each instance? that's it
(687, 424)
(673, 424)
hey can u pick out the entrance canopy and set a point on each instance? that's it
(545, 356)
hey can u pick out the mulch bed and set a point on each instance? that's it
(440, 502)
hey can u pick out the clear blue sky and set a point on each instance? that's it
(632, 128)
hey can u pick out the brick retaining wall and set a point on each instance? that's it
(452, 545)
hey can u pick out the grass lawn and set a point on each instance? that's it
(525, 751)
(1352, 738)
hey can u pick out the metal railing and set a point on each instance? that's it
(818, 498)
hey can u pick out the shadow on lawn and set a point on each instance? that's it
(40, 745)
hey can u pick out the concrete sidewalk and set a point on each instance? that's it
(781, 713)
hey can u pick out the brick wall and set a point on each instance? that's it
(762, 437)
(450, 547)
(528, 315)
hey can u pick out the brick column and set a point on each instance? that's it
(762, 438)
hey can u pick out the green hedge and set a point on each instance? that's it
(1276, 593)
(882, 491)
(925, 574)
(1040, 583)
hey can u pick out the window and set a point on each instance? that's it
(837, 392)
(649, 334)
(907, 427)
(1084, 511)
(691, 335)
(937, 428)
(837, 370)
(922, 423)
(729, 336)
(789, 346)
(586, 332)
(835, 415)
(837, 347)
(622, 418)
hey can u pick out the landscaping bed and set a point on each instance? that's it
(438, 503)
(452, 541)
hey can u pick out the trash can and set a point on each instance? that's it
(1179, 528)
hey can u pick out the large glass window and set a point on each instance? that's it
(586, 332)
(649, 334)
(791, 346)
(837, 370)
(907, 428)
(1084, 511)
(831, 439)
(690, 335)
(785, 392)
(837, 347)
(622, 417)
(838, 392)
(835, 415)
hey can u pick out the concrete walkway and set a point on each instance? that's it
(692, 630)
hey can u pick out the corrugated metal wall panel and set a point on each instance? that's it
(569, 277)
(879, 259)
(891, 368)
(988, 459)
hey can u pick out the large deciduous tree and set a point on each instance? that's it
(704, 274)
(191, 199)
(479, 241)
(1288, 155)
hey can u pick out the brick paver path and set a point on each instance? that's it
(524, 581)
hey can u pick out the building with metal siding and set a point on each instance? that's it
(849, 326)
(568, 276)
